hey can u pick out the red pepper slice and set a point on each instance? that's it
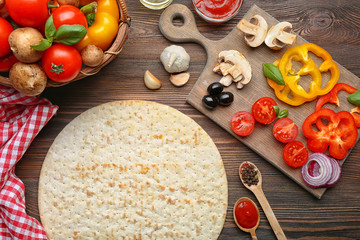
(339, 132)
(332, 97)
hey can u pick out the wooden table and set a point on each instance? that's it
(334, 25)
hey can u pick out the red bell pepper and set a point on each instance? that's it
(338, 132)
(332, 97)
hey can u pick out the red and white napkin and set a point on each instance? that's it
(21, 119)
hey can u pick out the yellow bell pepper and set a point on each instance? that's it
(284, 93)
(105, 27)
(301, 54)
(294, 94)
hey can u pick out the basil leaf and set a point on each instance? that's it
(283, 113)
(70, 34)
(277, 109)
(50, 28)
(272, 72)
(355, 98)
(45, 44)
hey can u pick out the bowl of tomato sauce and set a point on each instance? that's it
(217, 11)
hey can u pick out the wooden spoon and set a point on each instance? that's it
(250, 230)
(257, 190)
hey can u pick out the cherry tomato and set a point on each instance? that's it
(7, 62)
(61, 63)
(243, 123)
(285, 130)
(67, 14)
(5, 30)
(295, 154)
(263, 110)
(28, 13)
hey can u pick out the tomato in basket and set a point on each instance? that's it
(67, 14)
(61, 63)
(28, 13)
(5, 30)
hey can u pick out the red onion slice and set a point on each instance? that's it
(323, 176)
(336, 173)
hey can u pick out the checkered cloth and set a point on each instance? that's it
(21, 119)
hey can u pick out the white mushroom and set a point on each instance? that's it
(234, 68)
(279, 35)
(255, 30)
(175, 59)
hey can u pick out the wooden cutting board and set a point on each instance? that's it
(261, 140)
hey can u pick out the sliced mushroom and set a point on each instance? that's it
(234, 67)
(255, 30)
(225, 68)
(241, 66)
(226, 80)
(279, 35)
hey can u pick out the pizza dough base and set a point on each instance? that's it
(133, 170)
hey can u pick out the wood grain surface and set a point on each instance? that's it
(261, 140)
(334, 25)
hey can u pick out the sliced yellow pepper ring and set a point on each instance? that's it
(301, 54)
(284, 93)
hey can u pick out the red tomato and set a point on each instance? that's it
(295, 154)
(285, 130)
(7, 62)
(61, 63)
(242, 123)
(263, 110)
(28, 13)
(5, 30)
(67, 14)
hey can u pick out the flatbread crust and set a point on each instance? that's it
(133, 170)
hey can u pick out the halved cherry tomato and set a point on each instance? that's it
(70, 15)
(242, 123)
(295, 154)
(61, 63)
(263, 110)
(5, 30)
(285, 130)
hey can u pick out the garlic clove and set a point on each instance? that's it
(151, 81)
(180, 79)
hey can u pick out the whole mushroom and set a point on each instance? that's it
(21, 40)
(29, 79)
(175, 59)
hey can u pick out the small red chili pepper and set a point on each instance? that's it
(332, 97)
(339, 132)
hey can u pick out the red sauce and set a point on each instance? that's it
(246, 214)
(217, 9)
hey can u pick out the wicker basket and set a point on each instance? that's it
(109, 55)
